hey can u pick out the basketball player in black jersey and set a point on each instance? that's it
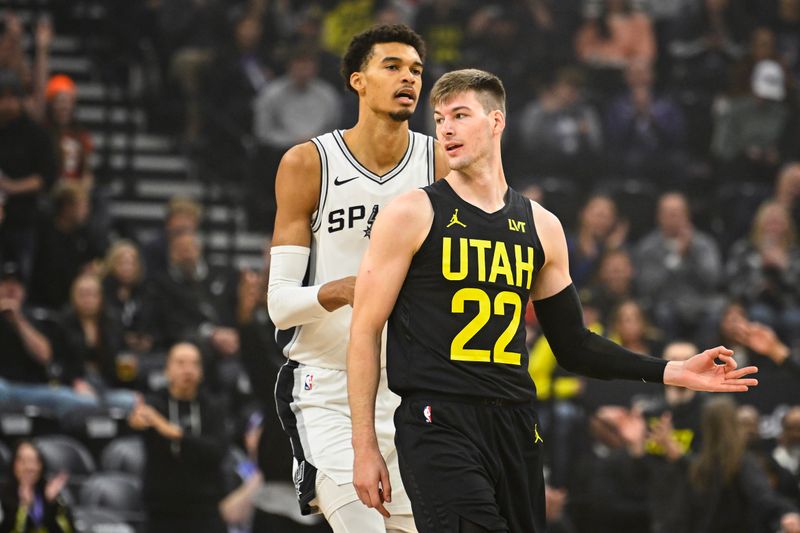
(451, 266)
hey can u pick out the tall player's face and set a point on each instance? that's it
(464, 129)
(391, 80)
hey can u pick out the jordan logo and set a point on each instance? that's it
(537, 437)
(454, 220)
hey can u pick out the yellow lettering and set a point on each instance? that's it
(501, 265)
(446, 264)
(481, 245)
(524, 265)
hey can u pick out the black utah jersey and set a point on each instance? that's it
(458, 327)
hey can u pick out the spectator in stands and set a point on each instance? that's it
(614, 34)
(66, 247)
(94, 341)
(679, 268)
(560, 134)
(628, 327)
(297, 106)
(787, 452)
(31, 347)
(291, 109)
(32, 503)
(749, 128)
(124, 293)
(761, 48)
(763, 271)
(195, 301)
(260, 354)
(27, 169)
(722, 470)
(609, 493)
(183, 216)
(600, 230)
(239, 71)
(184, 435)
(763, 340)
(12, 53)
(613, 283)
(646, 132)
(72, 143)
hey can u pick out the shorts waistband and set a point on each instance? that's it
(472, 400)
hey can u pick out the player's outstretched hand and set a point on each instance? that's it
(702, 373)
(371, 480)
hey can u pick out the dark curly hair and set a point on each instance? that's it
(360, 49)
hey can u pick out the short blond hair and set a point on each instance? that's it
(181, 205)
(487, 87)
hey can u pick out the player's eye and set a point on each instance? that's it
(438, 120)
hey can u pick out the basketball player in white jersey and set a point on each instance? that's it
(329, 191)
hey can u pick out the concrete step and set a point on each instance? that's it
(95, 115)
(140, 142)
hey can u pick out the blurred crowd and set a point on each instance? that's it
(665, 134)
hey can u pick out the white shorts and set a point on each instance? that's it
(312, 405)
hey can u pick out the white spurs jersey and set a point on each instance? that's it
(350, 198)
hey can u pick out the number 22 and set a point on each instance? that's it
(498, 354)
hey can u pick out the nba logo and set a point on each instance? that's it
(427, 413)
(309, 382)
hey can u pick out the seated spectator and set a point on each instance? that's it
(183, 216)
(678, 269)
(787, 452)
(764, 271)
(613, 283)
(94, 340)
(31, 351)
(748, 129)
(27, 169)
(726, 487)
(195, 301)
(628, 327)
(32, 503)
(124, 294)
(66, 247)
(600, 230)
(646, 132)
(559, 133)
(184, 435)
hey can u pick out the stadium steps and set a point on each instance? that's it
(140, 170)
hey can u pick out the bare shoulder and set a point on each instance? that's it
(301, 160)
(550, 231)
(440, 160)
(297, 189)
(545, 220)
(409, 207)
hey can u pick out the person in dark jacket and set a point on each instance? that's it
(184, 444)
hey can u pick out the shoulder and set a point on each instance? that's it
(409, 206)
(546, 221)
(301, 159)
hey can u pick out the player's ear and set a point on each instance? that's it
(357, 81)
(498, 121)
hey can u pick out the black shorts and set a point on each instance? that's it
(471, 463)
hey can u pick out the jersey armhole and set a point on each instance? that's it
(431, 152)
(423, 247)
(316, 219)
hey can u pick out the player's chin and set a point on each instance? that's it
(402, 114)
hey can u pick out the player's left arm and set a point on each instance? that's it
(577, 349)
(397, 234)
(440, 161)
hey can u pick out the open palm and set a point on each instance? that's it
(702, 373)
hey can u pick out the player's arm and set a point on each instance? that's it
(442, 167)
(578, 350)
(399, 231)
(297, 188)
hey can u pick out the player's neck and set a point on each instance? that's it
(378, 143)
(483, 184)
